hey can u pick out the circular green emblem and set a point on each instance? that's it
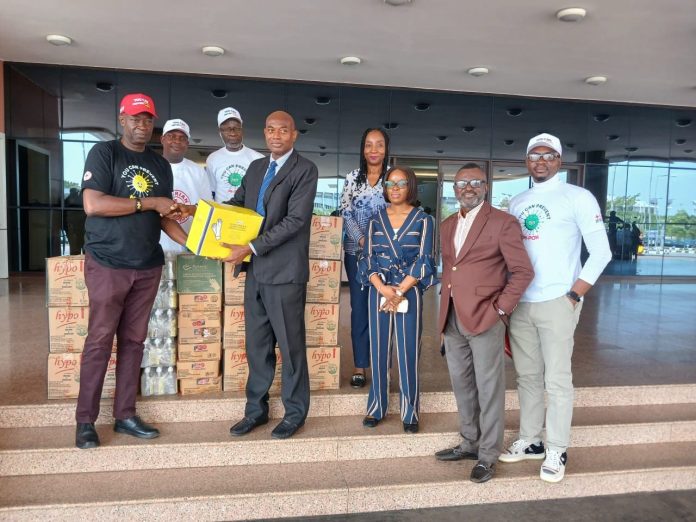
(531, 222)
(234, 179)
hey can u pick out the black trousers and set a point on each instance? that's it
(275, 314)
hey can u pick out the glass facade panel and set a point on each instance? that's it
(638, 161)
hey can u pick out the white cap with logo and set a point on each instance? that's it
(545, 140)
(176, 124)
(227, 113)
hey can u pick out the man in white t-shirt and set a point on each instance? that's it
(227, 166)
(555, 219)
(190, 180)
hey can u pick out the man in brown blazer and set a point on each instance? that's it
(485, 272)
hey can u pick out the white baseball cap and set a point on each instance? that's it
(227, 113)
(176, 124)
(545, 140)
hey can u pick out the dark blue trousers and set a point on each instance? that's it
(358, 314)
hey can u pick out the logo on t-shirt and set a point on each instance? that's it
(87, 176)
(139, 180)
(233, 174)
(181, 197)
(532, 220)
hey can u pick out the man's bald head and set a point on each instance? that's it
(280, 133)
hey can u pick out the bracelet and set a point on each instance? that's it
(138, 205)
(399, 292)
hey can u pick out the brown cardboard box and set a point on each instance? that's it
(64, 376)
(65, 281)
(200, 385)
(234, 286)
(200, 302)
(199, 319)
(324, 367)
(199, 352)
(234, 327)
(67, 328)
(188, 370)
(321, 323)
(200, 335)
(326, 237)
(236, 370)
(324, 284)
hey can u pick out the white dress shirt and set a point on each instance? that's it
(463, 227)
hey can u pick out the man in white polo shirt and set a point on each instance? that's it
(190, 180)
(555, 219)
(227, 166)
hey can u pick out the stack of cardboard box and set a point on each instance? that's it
(68, 316)
(321, 313)
(199, 283)
(322, 308)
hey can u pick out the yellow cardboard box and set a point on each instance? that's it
(65, 281)
(324, 367)
(324, 284)
(188, 370)
(321, 324)
(216, 222)
(200, 385)
(199, 352)
(326, 237)
(67, 327)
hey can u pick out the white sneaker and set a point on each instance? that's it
(553, 468)
(523, 450)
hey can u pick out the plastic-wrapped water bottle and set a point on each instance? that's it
(169, 352)
(170, 382)
(172, 323)
(146, 354)
(159, 381)
(146, 383)
(172, 296)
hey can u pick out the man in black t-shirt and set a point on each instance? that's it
(127, 196)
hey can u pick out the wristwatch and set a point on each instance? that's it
(574, 296)
(399, 292)
(138, 205)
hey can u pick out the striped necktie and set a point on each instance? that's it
(270, 173)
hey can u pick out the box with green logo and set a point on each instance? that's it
(198, 275)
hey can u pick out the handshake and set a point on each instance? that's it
(171, 209)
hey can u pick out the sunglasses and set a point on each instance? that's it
(401, 184)
(475, 183)
(548, 156)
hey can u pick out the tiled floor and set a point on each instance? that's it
(629, 334)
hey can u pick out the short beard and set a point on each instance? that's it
(468, 206)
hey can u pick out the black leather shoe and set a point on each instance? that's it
(358, 380)
(135, 427)
(285, 429)
(86, 436)
(455, 453)
(370, 422)
(411, 427)
(482, 471)
(245, 425)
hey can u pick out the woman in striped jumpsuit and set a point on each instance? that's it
(398, 265)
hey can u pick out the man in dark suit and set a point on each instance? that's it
(281, 188)
(485, 271)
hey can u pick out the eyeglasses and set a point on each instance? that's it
(475, 183)
(547, 156)
(401, 184)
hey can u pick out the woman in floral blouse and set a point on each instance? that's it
(363, 196)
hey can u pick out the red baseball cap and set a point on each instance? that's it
(133, 104)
